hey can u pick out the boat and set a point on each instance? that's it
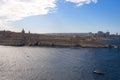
(115, 46)
(98, 72)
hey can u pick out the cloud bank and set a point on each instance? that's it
(82, 2)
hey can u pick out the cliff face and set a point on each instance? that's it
(21, 39)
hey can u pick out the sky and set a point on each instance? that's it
(60, 16)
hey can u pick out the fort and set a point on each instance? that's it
(9, 38)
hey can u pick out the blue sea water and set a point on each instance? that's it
(41, 63)
(116, 42)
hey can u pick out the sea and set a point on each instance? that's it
(44, 63)
(115, 42)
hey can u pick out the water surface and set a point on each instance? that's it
(40, 63)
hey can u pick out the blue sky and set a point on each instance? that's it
(67, 17)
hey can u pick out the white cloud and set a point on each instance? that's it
(82, 2)
(12, 10)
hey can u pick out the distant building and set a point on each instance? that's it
(100, 33)
(90, 34)
(29, 32)
(107, 34)
(23, 31)
(116, 34)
